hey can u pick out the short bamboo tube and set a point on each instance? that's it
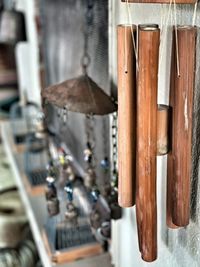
(147, 80)
(181, 101)
(163, 130)
(126, 115)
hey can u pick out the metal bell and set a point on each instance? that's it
(50, 190)
(105, 230)
(71, 212)
(116, 211)
(12, 27)
(105, 163)
(95, 219)
(89, 179)
(53, 207)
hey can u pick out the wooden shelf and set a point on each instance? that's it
(35, 207)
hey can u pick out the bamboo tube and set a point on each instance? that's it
(181, 101)
(162, 130)
(126, 115)
(160, 1)
(147, 80)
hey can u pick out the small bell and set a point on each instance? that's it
(105, 230)
(116, 211)
(114, 181)
(70, 173)
(95, 219)
(95, 195)
(69, 190)
(50, 190)
(71, 212)
(106, 190)
(90, 178)
(88, 153)
(105, 163)
(53, 207)
(12, 27)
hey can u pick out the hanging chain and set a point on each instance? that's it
(91, 141)
(105, 164)
(89, 17)
(114, 180)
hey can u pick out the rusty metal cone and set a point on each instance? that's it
(81, 95)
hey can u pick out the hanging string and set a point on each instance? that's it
(125, 52)
(132, 32)
(176, 40)
(165, 21)
(194, 14)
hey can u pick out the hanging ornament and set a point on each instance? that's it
(53, 207)
(71, 213)
(90, 178)
(105, 163)
(51, 193)
(81, 94)
(12, 26)
(50, 190)
(88, 153)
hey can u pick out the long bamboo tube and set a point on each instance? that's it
(163, 130)
(147, 80)
(126, 115)
(181, 101)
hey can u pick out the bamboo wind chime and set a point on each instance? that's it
(147, 130)
(137, 160)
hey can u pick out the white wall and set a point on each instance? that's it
(27, 55)
(175, 247)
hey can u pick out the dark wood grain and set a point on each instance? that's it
(126, 116)
(160, 1)
(181, 101)
(146, 206)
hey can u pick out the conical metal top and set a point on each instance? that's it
(81, 95)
